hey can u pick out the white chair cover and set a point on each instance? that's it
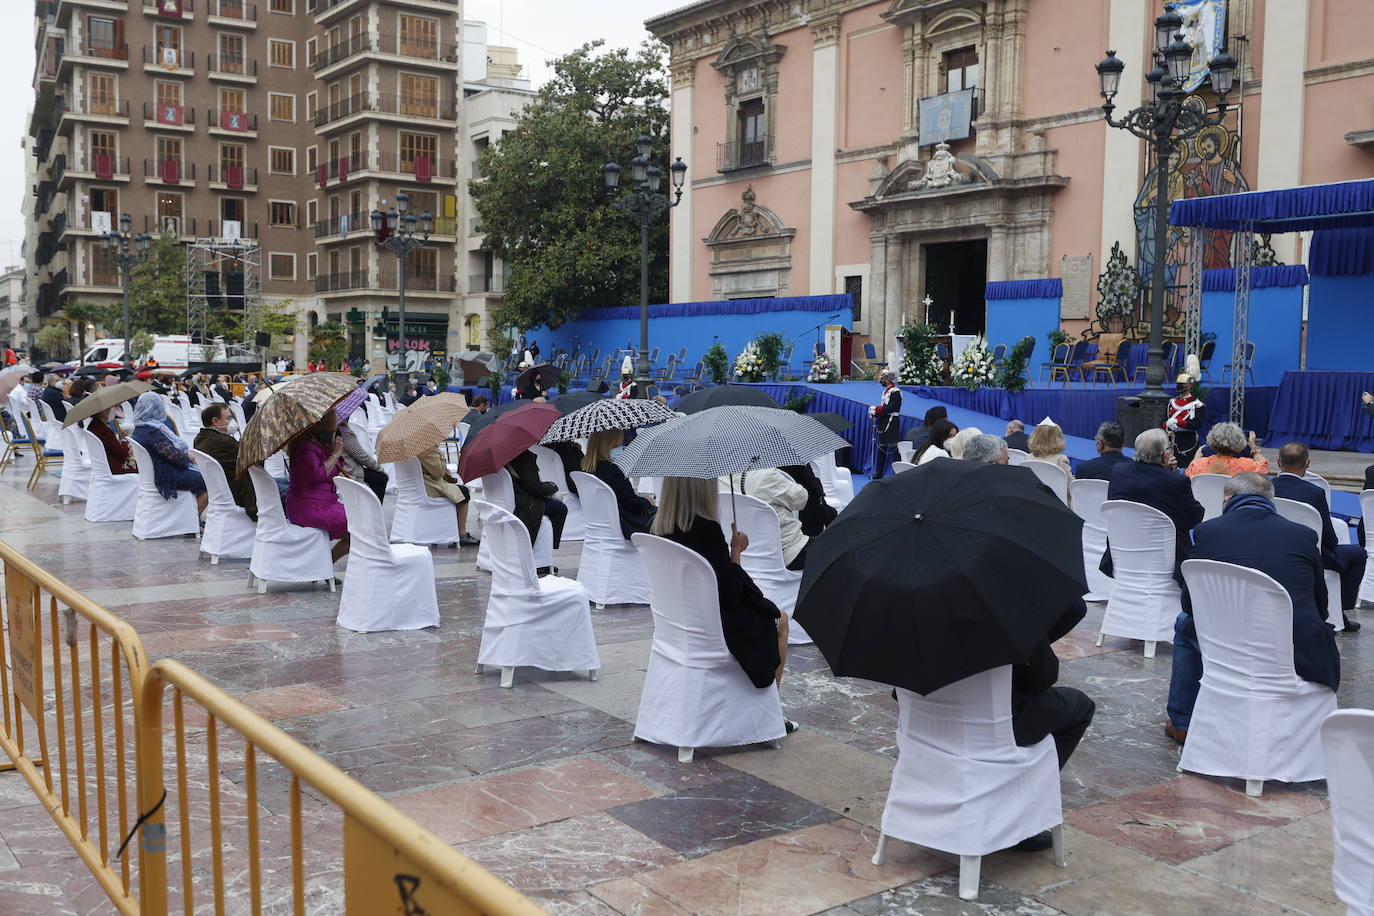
(1367, 513)
(229, 532)
(905, 449)
(1348, 745)
(1088, 497)
(1017, 456)
(763, 559)
(110, 497)
(363, 432)
(899, 466)
(1255, 719)
(695, 693)
(610, 568)
(551, 469)
(283, 552)
(498, 491)
(1145, 599)
(236, 408)
(1207, 489)
(1051, 475)
(419, 517)
(155, 517)
(387, 586)
(1339, 524)
(376, 416)
(543, 623)
(837, 482)
(961, 784)
(275, 465)
(1310, 519)
(76, 465)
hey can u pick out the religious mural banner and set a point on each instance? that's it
(946, 117)
(1204, 27)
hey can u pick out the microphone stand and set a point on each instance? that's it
(817, 329)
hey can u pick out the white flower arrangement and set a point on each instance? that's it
(823, 370)
(749, 365)
(915, 371)
(974, 367)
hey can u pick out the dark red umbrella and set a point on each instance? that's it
(504, 438)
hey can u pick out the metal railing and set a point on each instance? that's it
(234, 9)
(343, 224)
(744, 154)
(232, 65)
(154, 112)
(343, 280)
(419, 283)
(105, 731)
(160, 57)
(222, 174)
(341, 109)
(481, 283)
(172, 171)
(116, 51)
(110, 108)
(223, 120)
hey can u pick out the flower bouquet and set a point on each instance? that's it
(749, 365)
(823, 370)
(974, 367)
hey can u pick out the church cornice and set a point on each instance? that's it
(703, 28)
(1007, 188)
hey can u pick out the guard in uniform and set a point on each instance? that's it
(1184, 419)
(885, 416)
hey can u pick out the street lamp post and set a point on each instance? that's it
(1164, 121)
(127, 251)
(396, 231)
(644, 203)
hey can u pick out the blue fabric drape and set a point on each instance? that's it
(1342, 252)
(836, 303)
(1052, 288)
(1223, 279)
(1345, 204)
(1322, 409)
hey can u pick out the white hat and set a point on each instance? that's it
(627, 367)
(1048, 422)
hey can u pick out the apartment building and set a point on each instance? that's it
(285, 122)
(15, 329)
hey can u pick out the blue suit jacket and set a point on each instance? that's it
(1289, 486)
(1168, 491)
(1285, 551)
(1099, 468)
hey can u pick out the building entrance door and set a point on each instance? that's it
(956, 275)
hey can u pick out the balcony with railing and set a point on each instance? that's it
(744, 154)
(233, 13)
(404, 106)
(232, 123)
(233, 67)
(216, 229)
(164, 117)
(169, 171)
(97, 166)
(342, 281)
(418, 283)
(184, 227)
(151, 8)
(231, 177)
(343, 225)
(341, 109)
(487, 283)
(95, 54)
(325, 10)
(168, 61)
(100, 109)
(420, 168)
(356, 46)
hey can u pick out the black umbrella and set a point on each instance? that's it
(724, 396)
(92, 370)
(832, 421)
(575, 400)
(937, 574)
(547, 373)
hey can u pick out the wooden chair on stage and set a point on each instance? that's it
(1108, 359)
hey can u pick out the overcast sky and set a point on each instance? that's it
(539, 29)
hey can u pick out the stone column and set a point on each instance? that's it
(825, 66)
(875, 314)
(896, 294)
(998, 254)
(680, 267)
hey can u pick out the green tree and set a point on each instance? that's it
(541, 200)
(54, 339)
(141, 344)
(329, 343)
(157, 289)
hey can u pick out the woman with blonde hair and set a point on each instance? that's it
(1227, 441)
(755, 630)
(636, 512)
(956, 445)
(1047, 444)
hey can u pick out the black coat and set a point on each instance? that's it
(530, 491)
(1368, 483)
(1290, 486)
(1160, 488)
(636, 512)
(817, 513)
(889, 419)
(1018, 440)
(53, 398)
(1099, 468)
(570, 453)
(1285, 551)
(1041, 669)
(748, 620)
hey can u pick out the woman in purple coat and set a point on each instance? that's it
(311, 500)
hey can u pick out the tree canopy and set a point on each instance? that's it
(541, 200)
(157, 289)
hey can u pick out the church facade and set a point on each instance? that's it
(910, 151)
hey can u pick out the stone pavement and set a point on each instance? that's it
(544, 785)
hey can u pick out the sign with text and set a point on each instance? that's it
(946, 117)
(25, 664)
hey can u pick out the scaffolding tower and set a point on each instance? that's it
(223, 275)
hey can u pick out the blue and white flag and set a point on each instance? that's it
(1204, 27)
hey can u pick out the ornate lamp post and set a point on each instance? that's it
(127, 251)
(1164, 121)
(396, 230)
(645, 203)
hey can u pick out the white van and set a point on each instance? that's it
(173, 352)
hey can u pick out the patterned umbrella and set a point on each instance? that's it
(292, 410)
(724, 396)
(266, 391)
(103, 399)
(727, 440)
(505, 438)
(606, 414)
(420, 426)
(344, 409)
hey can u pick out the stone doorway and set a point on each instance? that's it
(956, 275)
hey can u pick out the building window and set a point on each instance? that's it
(312, 159)
(101, 91)
(231, 155)
(230, 53)
(312, 100)
(311, 266)
(168, 93)
(961, 69)
(419, 37)
(854, 286)
(102, 143)
(168, 148)
(103, 269)
(422, 269)
(414, 146)
(232, 209)
(312, 212)
(281, 214)
(232, 100)
(281, 53)
(104, 37)
(281, 106)
(167, 39)
(281, 266)
(285, 7)
(419, 95)
(752, 134)
(105, 200)
(169, 212)
(281, 160)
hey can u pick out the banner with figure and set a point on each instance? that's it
(1204, 27)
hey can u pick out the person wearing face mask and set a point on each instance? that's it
(636, 512)
(216, 440)
(117, 452)
(311, 499)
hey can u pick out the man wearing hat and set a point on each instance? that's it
(628, 389)
(885, 416)
(1183, 420)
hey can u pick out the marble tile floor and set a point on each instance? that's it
(544, 785)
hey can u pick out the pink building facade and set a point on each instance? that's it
(801, 122)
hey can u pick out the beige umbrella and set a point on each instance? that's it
(288, 413)
(422, 425)
(104, 398)
(10, 376)
(266, 391)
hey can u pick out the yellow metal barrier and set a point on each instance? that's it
(82, 712)
(254, 815)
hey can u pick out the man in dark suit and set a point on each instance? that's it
(1016, 436)
(1251, 533)
(52, 396)
(215, 441)
(1152, 481)
(1109, 440)
(1345, 559)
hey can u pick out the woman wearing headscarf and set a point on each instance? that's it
(311, 499)
(118, 455)
(172, 461)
